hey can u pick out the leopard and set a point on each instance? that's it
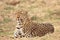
(30, 28)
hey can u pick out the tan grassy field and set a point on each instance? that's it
(39, 11)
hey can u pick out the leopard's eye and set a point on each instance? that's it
(21, 20)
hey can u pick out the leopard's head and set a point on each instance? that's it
(22, 16)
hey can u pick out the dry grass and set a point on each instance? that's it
(38, 10)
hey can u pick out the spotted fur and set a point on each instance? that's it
(32, 29)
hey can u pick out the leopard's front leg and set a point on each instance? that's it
(16, 33)
(19, 32)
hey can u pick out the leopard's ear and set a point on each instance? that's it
(17, 12)
(21, 12)
(24, 12)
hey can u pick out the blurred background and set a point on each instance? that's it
(39, 10)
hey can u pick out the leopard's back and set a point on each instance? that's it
(42, 29)
(36, 29)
